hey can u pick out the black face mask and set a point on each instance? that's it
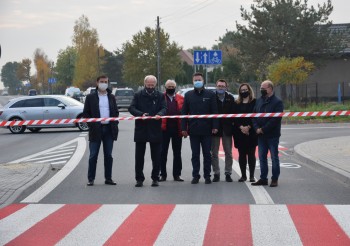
(263, 93)
(244, 94)
(150, 90)
(170, 91)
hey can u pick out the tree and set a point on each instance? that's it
(140, 57)
(65, 68)
(23, 70)
(286, 28)
(43, 71)
(113, 66)
(289, 71)
(85, 41)
(9, 77)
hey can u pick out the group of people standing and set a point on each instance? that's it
(205, 133)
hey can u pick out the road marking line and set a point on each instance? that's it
(65, 155)
(52, 183)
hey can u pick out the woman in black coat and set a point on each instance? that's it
(245, 139)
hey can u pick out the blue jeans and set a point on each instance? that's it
(94, 146)
(265, 145)
(196, 143)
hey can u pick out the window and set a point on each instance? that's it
(37, 102)
(51, 102)
(18, 104)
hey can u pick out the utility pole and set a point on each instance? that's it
(158, 53)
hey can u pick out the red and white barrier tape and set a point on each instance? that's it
(69, 121)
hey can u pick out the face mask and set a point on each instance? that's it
(102, 86)
(198, 84)
(170, 91)
(263, 92)
(150, 90)
(220, 91)
(244, 94)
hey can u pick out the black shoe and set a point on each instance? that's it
(274, 183)
(178, 178)
(208, 181)
(162, 178)
(260, 182)
(228, 178)
(110, 182)
(242, 179)
(216, 178)
(155, 183)
(251, 179)
(90, 183)
(139, 184)
(195, 180)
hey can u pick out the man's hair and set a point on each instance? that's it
(150, 77)
(102, 77)
(170, 81)
(223, 81)
(197, 74)
(269, 82)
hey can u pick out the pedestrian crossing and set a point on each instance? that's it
(169, 224)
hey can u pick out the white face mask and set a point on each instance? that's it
(102, 86)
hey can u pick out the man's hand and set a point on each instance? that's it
(214, 131)
(185, 134)
(259, 131)
(245, 130)
(158, 117)
(145, 114)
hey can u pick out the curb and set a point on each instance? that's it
(333, 171)
(42, 174)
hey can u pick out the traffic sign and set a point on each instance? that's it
(52, 80)
(207, 57)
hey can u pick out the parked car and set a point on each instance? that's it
(123, 96)
(42, 107)
(4, 93)
(71, 90)
(32, 92)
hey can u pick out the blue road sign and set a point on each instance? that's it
(52, 80)
(207, 57)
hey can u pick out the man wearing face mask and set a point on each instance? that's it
(171, 129)
(268, 130)
(225, 102)
(200, 102)
(101, 104)
(148, 102)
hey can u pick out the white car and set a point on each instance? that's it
(42, 107)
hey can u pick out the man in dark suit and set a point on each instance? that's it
(148, 102)
(101, 104)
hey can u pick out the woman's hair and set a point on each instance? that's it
(250, 90)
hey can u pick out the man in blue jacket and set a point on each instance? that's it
(268, 130)
(200, 102)
(148, 102)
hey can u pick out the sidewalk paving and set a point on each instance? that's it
(331, 154)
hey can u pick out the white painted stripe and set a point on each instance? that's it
(43, 152)
(17, 223)
(99, 226)
(58, 162)
(185, 226)
(52, 183)
(259, 193)
(66, 155)
(54, 159)
(272, 225)
(341, 213)
(68, 148)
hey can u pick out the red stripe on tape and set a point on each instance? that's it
(229, 225)
(316, 226)
(54, 227)
(143, 226)
(6, 211)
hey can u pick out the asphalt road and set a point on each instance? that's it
(299, 183)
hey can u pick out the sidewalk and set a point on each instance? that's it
(331, 154)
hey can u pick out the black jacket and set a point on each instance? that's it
(92, 110)
(199, 103)
(154, 104)
(241, 140)
(225, 107)
(271, 126)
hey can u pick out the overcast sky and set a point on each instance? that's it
(29, 24)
